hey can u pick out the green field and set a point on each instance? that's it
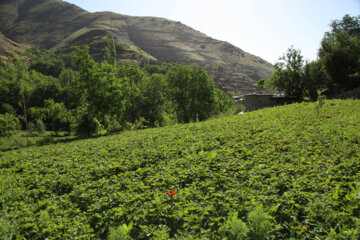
(309, 183)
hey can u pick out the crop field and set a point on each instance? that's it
(299, 164)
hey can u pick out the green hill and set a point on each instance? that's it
(55, 24)
(308, 182)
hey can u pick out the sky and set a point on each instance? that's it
(265, 28)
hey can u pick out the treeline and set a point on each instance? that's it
(71, 92)
(336, 72)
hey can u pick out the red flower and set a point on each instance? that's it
(276, 144)
(172, 193)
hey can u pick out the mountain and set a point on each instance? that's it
(55, 24)
(7, 45)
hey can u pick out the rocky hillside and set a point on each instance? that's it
(55, 24)
(8, 46)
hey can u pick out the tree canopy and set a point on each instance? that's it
(336, 71)
(340, 53)
(89, 98)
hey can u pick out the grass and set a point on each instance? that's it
(299, 162)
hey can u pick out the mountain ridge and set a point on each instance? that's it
(56, 24)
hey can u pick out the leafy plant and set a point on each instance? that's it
(122, 232)
(320, 101)
(260, 223)
(161, 234)
(309, 187)
(237, 228)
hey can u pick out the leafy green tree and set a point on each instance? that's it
(48, 67)
(8, 124)
(55, 114)
(191, 91)
(223, 102)
(133, 75)
(26, 89)
(153, 98)
(315, 80)
(67, 77)
(340, 53)
(7, 108)
(260, 83)
(46, 61)
(151, 69)
(288, 75)
(110, 51)
(104, 94)
(45, 87)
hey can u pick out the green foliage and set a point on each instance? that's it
(308, 184)
(122, 232)
(110, 50)
(220, 68)
(340, 53)
(191, 91)
(223, 102)
(336, 71)
(104, 94)
(85, 123)
(121, 48)
(7, 108)
(40, 126)
(287, 77)
(315, 80)
(46, 62)
(8, 124)
(237, 229)
(320, 102)
(260, 83)
(93, 98)
(153, 96)
(54, 113)
(260, 223)
(151, 69)
(67, 77)
(161, 234)
(47, 68)
(9, 230)
(258, 228)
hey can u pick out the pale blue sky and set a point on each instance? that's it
(265, 28)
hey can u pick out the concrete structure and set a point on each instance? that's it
(257, 101)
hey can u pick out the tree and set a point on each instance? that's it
(315, 79)
(288, 75)
(8, 123)
(26, 89)
(55, 114)
(191, 91)
(134, 76)
(110, 51)
(104, 97)
(153, 98)
(223, 102)
(340, 53)
(260, 83)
